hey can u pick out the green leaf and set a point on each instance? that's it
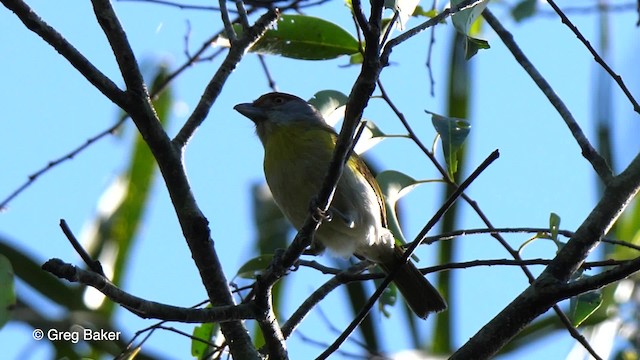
(356, 59)
(524, 9)
(394, 185)
(204, 332)
(303, 37)
(583, 305)
(255, 266)
(463, 21)
(330, 103)
(7, 290)
(473, 45)
(420, 11)
(453, 132)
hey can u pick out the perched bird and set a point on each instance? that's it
(298, 147)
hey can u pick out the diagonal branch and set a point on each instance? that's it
(125, 58)
(213, 89)
(34, 23)
(589, 152)
(617, 78)
(535, 300)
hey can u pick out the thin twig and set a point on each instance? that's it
(214, 87)
(178, 5)
(272, 83)
(33, 177)
(588, 151)
(34, 23)
(226, 21)
(146, 308)
(388, 48)
(94, 265)
(483, 217)
(617, 78)
(389, 278)
(318, 295)
(535, 300)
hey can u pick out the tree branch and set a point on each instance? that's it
(125, 58)
(589, 152)
(34, 23)
(145, 308)
(535, 300)
(213, 89)
(617, 78)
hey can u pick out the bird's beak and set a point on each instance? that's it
(256, 114)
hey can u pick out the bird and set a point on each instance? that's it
(298, 147)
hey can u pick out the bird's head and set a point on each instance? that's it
(274, 110)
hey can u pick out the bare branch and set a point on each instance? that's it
(94, 265)
(214, 87)
(33, 177)
(407, 254)
(617, 78)
(384, 59)
(145, 308)
(591, 154)
(177, 5)
(535, 300)
(34, 23)
(125, 58)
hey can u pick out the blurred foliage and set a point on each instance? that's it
(115, 232)
(308, 38)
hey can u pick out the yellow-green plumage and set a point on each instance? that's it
(298, 147)
(296, 160)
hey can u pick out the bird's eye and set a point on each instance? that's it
(278, 100)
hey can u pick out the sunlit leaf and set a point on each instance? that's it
(583, 305)
(463, 22)
(554, 225)
(420, 11)
(356, 59)
(453, 132)
(330, 103)
(394, 185)
(370, 137)
(200, 349)
(302, 37)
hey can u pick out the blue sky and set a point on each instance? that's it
(49, 109)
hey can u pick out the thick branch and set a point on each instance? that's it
(117, 38)
(535, 300)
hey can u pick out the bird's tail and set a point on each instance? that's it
(417, 291)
